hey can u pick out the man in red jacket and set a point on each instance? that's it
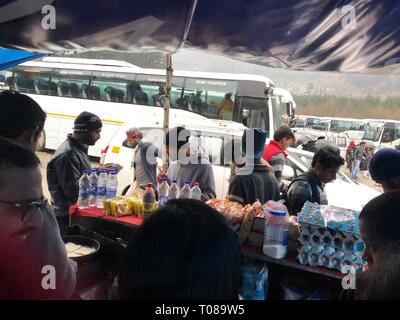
(274, 152)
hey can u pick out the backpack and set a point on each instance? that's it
(315, 195)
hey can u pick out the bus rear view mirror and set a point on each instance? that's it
(289, 110)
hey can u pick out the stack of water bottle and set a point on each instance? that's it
(93, 189)
(330, 237)
(167, 192)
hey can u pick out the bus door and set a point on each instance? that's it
(391, 134)
(252, 105)
(252, 112)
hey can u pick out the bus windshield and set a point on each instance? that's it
(345, 125)
(321, 126)
(373, 131)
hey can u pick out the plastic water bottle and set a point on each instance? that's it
(163, 196)
(276, 234)
(84, 187)
(149, 201)
(93, 188)
(185, 191)
(196, 192)
(255, 281)
(101, 188)
(173, 191)
(112, 185)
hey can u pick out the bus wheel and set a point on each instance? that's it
(41, 144)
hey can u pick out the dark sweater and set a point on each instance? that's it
(253, 182)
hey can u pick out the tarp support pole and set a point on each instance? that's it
(167, 105)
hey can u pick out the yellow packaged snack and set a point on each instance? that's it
(120, 207)
(107, 207)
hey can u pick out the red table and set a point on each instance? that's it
(99, 213)
(249, 251)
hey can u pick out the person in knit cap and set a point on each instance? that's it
(253, 181)
(384, 168)
(69, 162)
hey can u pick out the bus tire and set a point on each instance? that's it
(41, 144)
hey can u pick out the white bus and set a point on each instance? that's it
(118, 91)
(382, 133)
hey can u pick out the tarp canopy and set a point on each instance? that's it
(333, 35)
(9, 58)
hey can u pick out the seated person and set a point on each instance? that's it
(309, 186)
(188, 163)
(379, 226)
(184, 251)
(158, 99)
(195, 102)
(226, 107)
(29, 235)
(384, 168)
(136, 95)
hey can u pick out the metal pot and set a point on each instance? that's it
(84, 241)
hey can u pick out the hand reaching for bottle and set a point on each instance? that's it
(110, 166)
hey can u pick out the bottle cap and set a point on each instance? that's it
(196, 184)
(187, 182)
(174, 181)
(278, 213)
(166, 179)
(94, 170)
(150, 185)
(104, 170)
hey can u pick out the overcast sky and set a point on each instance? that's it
(202, 61)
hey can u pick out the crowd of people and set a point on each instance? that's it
(185, 250)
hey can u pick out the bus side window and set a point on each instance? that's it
(155, 92)
(24, 83)
(335, 126)
(136, 94)
(397, 131)
(215, 101)
(175, 96)
(66, 85)
(388, 133)
(106, 89)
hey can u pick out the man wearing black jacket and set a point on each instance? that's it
(310, 185)
(68, 163)
(253, 181)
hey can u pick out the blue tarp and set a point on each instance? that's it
(9, 57)
(360, 36)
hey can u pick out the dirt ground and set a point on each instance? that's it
(364, 178)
